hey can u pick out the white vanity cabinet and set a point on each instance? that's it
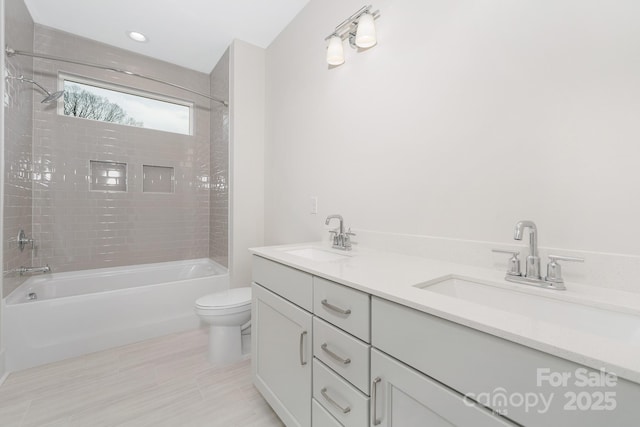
(512, 379)
(282, 341)
(309, 380)
(403, 397)
(328, 355)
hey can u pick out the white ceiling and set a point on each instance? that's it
(190, 33)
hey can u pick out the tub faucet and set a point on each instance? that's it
(533, 260)
(341, 239)
(31, 270)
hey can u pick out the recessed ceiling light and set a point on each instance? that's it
(139, 37)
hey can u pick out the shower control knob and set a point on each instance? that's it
(23, 240)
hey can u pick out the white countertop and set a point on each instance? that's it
(393, 276)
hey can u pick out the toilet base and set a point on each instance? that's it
(225, 344)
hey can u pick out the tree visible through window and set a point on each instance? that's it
(79, 102)
(93, 102)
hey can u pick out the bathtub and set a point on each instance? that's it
(55, 316)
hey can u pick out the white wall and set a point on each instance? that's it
(466, 117)
(247, 103)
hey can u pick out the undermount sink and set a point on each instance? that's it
(566, 314)
(315, 254)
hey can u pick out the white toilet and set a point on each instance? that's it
(225, 312)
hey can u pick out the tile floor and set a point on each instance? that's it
(164, 382)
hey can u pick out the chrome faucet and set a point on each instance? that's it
(533, 260)
(340, 239)
(532, 276)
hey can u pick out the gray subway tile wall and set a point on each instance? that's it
(218, 222)
(18, 106)
(76, 228)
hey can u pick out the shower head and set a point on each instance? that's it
(50, 96)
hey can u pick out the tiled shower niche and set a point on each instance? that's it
(157, 179)
(108, 176)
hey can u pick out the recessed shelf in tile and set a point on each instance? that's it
(157, 179)
(108, 176)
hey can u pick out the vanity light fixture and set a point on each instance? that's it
(359, 29)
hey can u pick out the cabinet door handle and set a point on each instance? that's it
(335, 356)
(333, 402)
(302, 361)
(336, 309)
(374, 404)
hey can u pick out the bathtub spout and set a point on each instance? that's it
(31, 270)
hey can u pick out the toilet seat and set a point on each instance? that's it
(229, 301)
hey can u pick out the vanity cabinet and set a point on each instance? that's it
(310, 344)
(282, 343)
(327, 355)
(403, 397)
(514, 380)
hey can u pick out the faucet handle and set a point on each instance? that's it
(349, 232)
(554, 269)
(513, 269)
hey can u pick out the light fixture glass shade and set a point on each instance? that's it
(335, 51)
(366, 33)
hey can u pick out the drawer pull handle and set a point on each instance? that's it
(333, 402)
(336, 309)
(335, 356)
(302, 361)
(374, 404)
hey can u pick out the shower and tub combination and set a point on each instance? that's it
(62, 314)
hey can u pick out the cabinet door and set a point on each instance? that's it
(403, 397)
(281, 359)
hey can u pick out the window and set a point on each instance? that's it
(107, 103)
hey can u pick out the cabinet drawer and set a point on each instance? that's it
(291, 284)
(320, 417)
(343, 353)
(342, 400)
(479, 364)
(344, 307)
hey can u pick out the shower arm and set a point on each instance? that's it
(24, 79)
(11, 52)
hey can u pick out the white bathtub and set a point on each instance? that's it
(81, 312)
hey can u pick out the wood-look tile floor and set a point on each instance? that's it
(164, 382)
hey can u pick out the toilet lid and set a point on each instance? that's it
(226, 299)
